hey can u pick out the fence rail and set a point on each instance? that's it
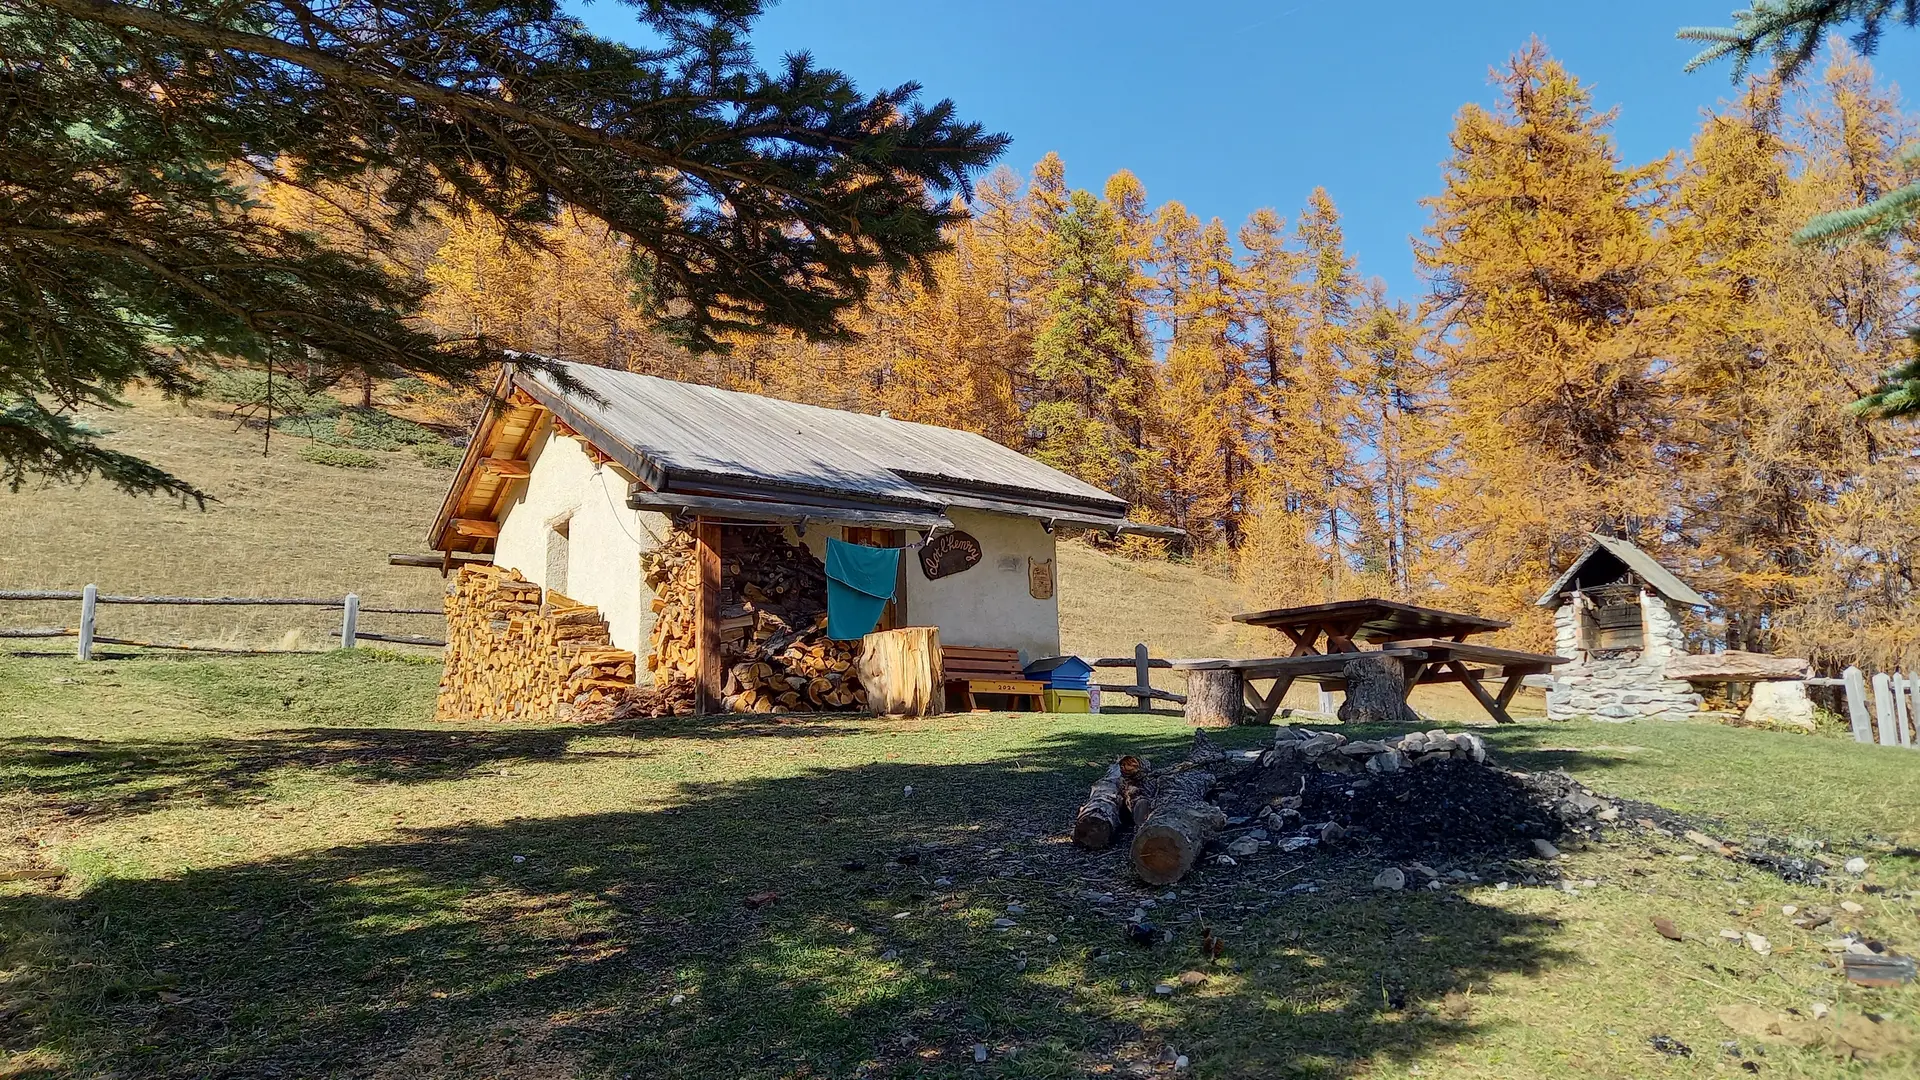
(91, 598)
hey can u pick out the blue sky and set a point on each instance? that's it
(1229, 105)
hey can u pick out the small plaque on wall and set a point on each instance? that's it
(949, 553)
(1040, 578)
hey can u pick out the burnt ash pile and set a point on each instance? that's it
(1424, 793)
(1427, 792)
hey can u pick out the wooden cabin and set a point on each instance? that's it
(577, 473)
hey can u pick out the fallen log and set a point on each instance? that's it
(1179, 825)
(1111, 804)
(1175, 819)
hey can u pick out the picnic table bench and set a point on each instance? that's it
(1427, 644)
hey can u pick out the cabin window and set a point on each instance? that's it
(558, 545)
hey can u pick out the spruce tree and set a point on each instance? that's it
(136, 135)
(1789, 34)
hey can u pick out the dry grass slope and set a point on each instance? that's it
(283, 526)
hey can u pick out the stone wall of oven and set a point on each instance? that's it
(1629, 683)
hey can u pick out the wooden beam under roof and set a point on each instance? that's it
(639, 498)
(479, 527)
(509, 468)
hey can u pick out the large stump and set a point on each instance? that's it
(1376, 692)
(1216, 697)
(900, 670)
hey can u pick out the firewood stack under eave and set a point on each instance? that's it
(773, 624)
(509, 656)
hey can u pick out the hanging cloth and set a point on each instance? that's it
(860, 581)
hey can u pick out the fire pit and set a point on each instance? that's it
(1430, 792)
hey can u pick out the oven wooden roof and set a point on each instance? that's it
(1611, 548)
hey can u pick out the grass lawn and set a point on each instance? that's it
(281, 867)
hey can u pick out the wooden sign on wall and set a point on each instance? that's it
(1040, 578)
(948, 553)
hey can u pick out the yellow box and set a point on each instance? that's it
(1067, 701)
(1005, 686)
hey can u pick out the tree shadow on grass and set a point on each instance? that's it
(646, 944)
(135, 775)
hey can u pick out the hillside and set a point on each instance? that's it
(282, 525)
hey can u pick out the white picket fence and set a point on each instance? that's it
(1887, 713)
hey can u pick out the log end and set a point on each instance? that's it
(1092, 832)
(1162, 856)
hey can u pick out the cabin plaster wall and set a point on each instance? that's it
(989, 605)
(605, 538)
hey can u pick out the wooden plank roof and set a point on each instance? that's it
(1659, 577)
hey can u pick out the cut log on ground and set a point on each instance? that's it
(1376, 692)
(1216, 698)
(1175, 818)
(1110, 806)
(1181, 823)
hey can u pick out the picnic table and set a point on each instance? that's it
(1428, 644)
(1345, 624)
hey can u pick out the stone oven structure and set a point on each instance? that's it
(1618, 614)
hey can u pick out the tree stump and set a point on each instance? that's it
(1376, 692)
(1216, 697)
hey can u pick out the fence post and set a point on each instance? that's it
(1883, 707)
(350, 622)
(1902, 691)
(89, 598)
(1142, 677)
(1856, 684)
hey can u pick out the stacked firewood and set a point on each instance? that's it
(773, 624)
(512, 655)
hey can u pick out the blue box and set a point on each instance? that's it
(1062, 672)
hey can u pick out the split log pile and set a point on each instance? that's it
(773, 624)
(512, 656)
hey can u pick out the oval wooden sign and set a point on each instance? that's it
(948, 553)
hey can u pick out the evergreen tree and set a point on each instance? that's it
(1789, 34)
(136, 131)
(1087, 364)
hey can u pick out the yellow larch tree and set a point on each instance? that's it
(1544, 270)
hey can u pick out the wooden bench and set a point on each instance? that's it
(1425, 662)
(1454, 656)
(967, 670)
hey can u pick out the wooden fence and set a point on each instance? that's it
(1882, 708)
(90, 598)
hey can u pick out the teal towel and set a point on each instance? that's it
(859, 584)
